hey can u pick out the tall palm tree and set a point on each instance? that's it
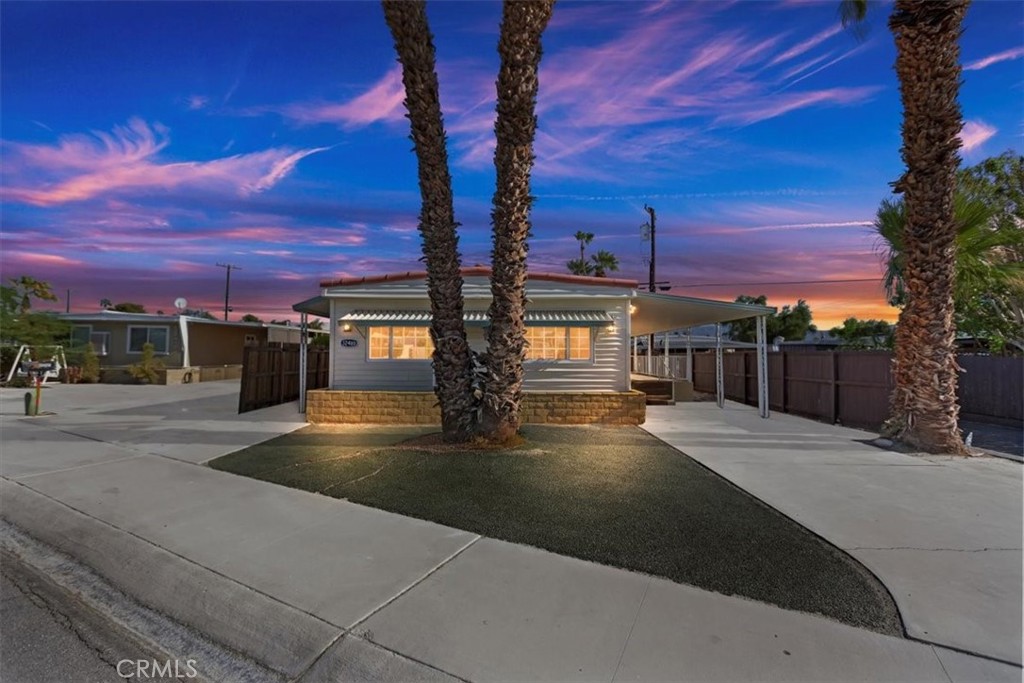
(578, 266)
(519, 47)
(604, 263)
(584, 238)
(923, 407)
(414, 44)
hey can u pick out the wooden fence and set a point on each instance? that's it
(853, 387)
(270, 374)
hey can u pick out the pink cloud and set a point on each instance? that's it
(984, 62)
(36, 258)
(975, 133)
(382, 102)
(802, 47)
(82, 167)
(783, 104)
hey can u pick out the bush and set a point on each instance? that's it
(147, 370)
(90, 365)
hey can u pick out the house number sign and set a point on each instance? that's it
(349, 342)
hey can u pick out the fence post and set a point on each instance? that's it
(785, 381)
(835, 387)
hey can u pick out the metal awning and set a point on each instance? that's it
(385, 317)
(655, 313)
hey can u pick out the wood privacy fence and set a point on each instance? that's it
(853, 387)
(270, 374)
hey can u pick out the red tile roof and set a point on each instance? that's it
(480, 271)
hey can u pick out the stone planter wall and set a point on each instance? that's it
(325, 406)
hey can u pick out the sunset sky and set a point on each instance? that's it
(143, 143)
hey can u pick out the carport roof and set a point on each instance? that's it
(654, 312)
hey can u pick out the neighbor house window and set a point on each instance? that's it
(83, 334)
(400, 343)
(558, 343)
(159, 337)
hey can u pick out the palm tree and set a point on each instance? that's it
(414, 44)
(604, 263)
(519, 47)
(989, 285)
(923, 407)
(584, 238)
(579, 266)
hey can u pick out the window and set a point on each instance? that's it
(83, 334)
(558, 343)
(400, 343)
(159, 337)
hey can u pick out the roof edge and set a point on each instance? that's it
(480, 271)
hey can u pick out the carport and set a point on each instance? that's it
(653, 314)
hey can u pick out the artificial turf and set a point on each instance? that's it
(617, 496)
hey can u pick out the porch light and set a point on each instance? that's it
(347, 327)
(632, 309)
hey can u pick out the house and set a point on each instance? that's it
(192, 349)
(579, 331)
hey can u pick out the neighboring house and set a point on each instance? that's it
(191, 348)
(578, 330)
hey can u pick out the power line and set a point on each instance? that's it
(788, 282)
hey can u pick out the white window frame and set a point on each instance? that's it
(391, 344)
(568, 343)
(156, 351)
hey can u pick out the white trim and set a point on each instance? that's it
(185, 358)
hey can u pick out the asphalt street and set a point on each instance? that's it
(47, 636)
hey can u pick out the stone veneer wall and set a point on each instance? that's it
(324, 406)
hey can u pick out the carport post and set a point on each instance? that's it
(636, 352)
(649, 369)
(303, 344)
(689, 356)
(762, 367)
(668, 373)
(719, 380)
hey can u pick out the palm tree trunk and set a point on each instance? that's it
(924, 409)
(414, 44)
(519, 46)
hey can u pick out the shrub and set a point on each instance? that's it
(90, 365)
(147, 370)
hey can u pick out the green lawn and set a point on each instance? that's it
(612, 495)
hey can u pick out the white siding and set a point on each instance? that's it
(607, 371)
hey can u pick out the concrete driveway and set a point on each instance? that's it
(316, 589)
(943, 534)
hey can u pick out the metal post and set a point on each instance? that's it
(762, 367)
(636, 353)
(649, 368)
(719, 379)
(303, 360)
(689, 356)
(667, 371)
(227, 286)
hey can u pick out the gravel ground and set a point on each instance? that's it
(617, 496)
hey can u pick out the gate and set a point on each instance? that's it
(270, 374)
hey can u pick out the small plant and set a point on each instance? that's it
(147, 370)
(90, 365)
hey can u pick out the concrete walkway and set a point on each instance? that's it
(943, 534)
(317, 589)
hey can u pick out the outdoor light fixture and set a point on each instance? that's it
(610, 328)
(632, 309)
(347, 327)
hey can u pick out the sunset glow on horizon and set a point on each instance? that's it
(143, 143)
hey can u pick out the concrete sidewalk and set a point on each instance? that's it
(943, 534)
(315, 588)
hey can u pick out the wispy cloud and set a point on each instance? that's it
(975, 133)
(783, 104)
(803, 46)
(196, 102)
(382, 102)
(984, 62)
(80, 167)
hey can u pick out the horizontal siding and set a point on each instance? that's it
(352, 369)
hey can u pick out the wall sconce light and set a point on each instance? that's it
(610, 328)
(346, 327)
(632, 309)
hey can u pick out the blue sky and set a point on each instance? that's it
(145, 142)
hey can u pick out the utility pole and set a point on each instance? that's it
(227, 285)
(651, 279)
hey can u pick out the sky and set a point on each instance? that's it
(145, 143)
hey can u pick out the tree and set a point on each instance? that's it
(863, 334)
(250, 318)
(147, 370)
(452, 360)
(791, 323)
(128, 307)
(580, 267)
(519, 46)
(604, 262)
(105, 304)
(19, 324)
(923, 408)
(988, 293)
(584, 238)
